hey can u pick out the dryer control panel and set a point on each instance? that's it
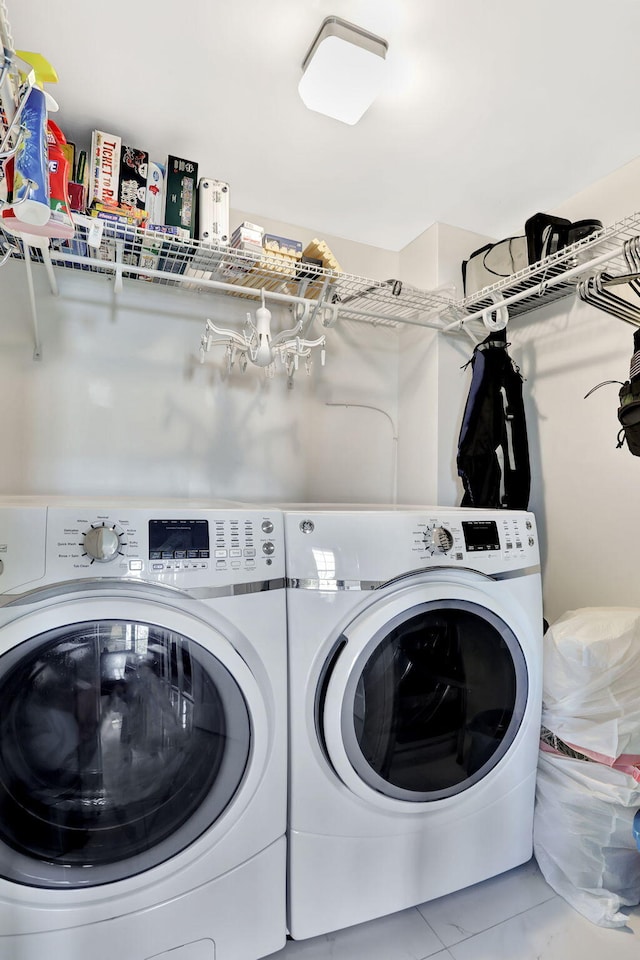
(509, 536)
(365, 544)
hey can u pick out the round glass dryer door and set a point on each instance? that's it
(120, 743)
(429, 704)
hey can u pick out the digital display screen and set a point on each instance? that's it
(480, 535)
(178, 539)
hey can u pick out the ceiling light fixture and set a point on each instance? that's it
(343, 70)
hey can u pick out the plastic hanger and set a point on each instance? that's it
(593, 291)
(632, 256)
(627, 311)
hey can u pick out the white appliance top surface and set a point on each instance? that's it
(36, 500)
(393, 508)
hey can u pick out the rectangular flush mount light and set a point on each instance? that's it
(343, 70)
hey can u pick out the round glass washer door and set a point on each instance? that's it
(121, 742)
(422, 699)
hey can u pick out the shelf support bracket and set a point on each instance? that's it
(37, 350)
(117, 283)
(48, 265)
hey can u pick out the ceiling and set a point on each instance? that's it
(491, 110)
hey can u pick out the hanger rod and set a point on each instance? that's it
(415, 320)
(218, 285)
(616, 281)
(113, 267)
(37, 350)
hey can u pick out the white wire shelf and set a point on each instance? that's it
(132, 252)
(551, 279)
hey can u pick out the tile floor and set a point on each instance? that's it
(515, 916)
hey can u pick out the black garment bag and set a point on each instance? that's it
(493, 424)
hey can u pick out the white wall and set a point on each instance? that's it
(585, 493)
(610, 199)
(418, 382)
(431, 382)
(454, 351)
(584, 490)
(349, 450)
(120, 405)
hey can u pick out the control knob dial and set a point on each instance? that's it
(102, 543)
(438, 539)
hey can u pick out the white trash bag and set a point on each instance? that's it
(583, 836)
(591, 686)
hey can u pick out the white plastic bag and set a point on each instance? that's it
(583, 836)
(592, 683)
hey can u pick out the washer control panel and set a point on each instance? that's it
(192, 548)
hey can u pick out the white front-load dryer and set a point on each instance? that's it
(143, 732)
(415, 639)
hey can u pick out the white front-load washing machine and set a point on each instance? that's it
(415, 644)
(143, 731)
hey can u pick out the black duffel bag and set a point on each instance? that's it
(547, 234)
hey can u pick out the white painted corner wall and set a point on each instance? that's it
(432, 383)
(585, 493)
(120, 405)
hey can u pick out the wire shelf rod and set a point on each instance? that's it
(535, 289)
(37, 350)
(415, 320)
(112, 266)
